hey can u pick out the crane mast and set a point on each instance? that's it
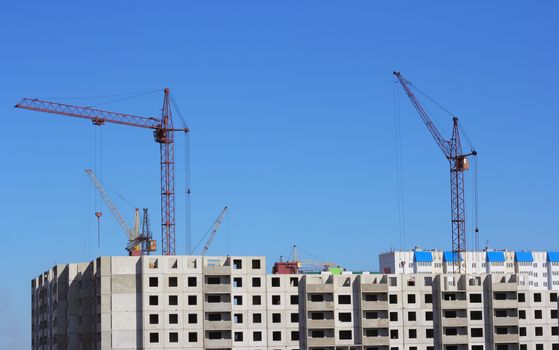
(148, 244)
(458, 161)
(215, 227)
(164, 134)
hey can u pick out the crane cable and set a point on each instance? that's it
(227, 230)
(188, 229)
(399, 167)
(86, 213)
(120, 196)
(432, 115)
(98, 158)
(476, 202)
(187, 189)
(136, 93)
(311, 254)
(124, 98)
(421, 92)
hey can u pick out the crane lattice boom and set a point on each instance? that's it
(215, 227)
(444, 145)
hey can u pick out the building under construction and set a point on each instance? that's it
(197, 302)
(421, 300)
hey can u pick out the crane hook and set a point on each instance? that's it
(98, 215)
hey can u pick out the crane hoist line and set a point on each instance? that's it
(164, 134)
(138, 244)
(458, 161)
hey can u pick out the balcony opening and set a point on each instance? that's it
(317, 298)
(214, 317)
(345, 335)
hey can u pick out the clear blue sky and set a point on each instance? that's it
(290, 104)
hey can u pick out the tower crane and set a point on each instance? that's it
(137, 244)
(452, 150)
(164, 134)
(213, 231)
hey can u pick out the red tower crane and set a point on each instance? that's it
(164, 134)
(452, 149)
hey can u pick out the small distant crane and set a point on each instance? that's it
(137, 244)
(148, 244)
(452, 150)
(215, 227)
(306, 266)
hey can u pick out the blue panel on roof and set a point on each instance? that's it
(495, 257)
(423, 257)
(523, 257)
(449, 256)
(553, 256)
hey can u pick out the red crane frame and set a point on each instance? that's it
(164, 134)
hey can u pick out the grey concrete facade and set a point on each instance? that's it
(194, 302)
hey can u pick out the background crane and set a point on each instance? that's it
(163, 132)
(309, 265)
(213, 232)
(452, 149)
(148, 244)
(137, 244)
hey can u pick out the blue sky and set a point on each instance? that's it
(290, 104)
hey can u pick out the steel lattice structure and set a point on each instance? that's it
(163, 132)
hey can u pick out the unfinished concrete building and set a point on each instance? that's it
(194, 302)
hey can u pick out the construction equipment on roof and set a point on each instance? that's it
(213, 231)
(296, 265)
(137, 244)
(452, 150)
(164, 134)
(145, 238)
